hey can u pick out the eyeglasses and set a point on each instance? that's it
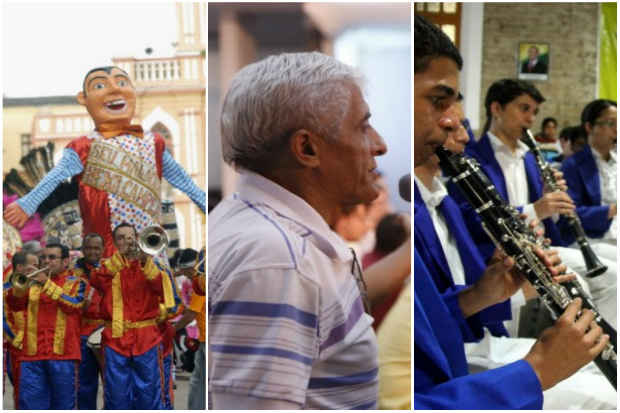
(610, 123)
(50, 257)
(356, 271)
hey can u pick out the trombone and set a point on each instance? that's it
(22, 281)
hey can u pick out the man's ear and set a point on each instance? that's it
(81, 98)
(588, 128)
(495, 107)
(305, 148)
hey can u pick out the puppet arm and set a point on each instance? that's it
(68, 166)
(178, 178)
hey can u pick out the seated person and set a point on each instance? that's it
(547, 138)
(444, 244)
(511, 106)
(572, 140)
(591, 174)
(443, 322)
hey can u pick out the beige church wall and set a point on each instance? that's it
(570, 29)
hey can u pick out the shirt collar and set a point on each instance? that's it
(258, 189)
(599, 158)
(434, 196)
(500, 147)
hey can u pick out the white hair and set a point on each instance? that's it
(271, 99)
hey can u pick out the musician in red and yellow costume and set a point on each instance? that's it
(47, 374)
(14, 321)
(132, 286)
(118, 167)
(92, 248)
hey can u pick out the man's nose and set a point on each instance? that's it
(449, 121)
(380, 147)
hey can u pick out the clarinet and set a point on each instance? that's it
(593, 264)
(508, 232)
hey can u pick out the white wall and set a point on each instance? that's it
(383, 55)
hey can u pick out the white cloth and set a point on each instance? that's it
(286, 319)
(587, 389)
(607, 173)
(433, 197)
(513, 167)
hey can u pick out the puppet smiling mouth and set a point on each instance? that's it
(116, 105)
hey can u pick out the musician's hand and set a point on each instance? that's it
(40, 278)
(613, 211)
(559, 181)
(497, 284)
(564, 348)
(15, 215)
(553, 262)
(554, 203)
(143, 257)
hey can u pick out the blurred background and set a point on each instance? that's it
(375, 38)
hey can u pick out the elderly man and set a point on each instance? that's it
(287, 321)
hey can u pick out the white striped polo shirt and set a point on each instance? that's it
(286, 319)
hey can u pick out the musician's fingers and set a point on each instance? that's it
(558, 269)
(547, 241)
(562, 278)
(571, 311)
(602, 342)
(594, 333)
(583, 321)
(541, 254)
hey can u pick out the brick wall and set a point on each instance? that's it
(571, 31)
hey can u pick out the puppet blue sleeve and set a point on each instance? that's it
(179, 179)
(68, 166)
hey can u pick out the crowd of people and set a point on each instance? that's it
(70, 319)
(116, 308)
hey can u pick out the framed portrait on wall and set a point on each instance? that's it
(533, 61)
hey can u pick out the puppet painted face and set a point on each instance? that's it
(110, 98)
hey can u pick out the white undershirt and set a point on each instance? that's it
(512, 165)
(607, 176)
(432, 198)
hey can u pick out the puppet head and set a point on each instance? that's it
(109, 97)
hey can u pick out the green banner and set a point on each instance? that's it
(608, 69)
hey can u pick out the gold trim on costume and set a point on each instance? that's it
(33, 315)
(60, 330)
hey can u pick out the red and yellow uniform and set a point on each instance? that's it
(13, 323)
(133, 354)
(50, 352)
(91, 320)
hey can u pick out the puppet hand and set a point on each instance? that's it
(15, 215)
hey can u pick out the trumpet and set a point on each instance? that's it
(151, 241)
(22, 281)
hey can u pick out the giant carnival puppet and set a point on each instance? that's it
(118, 168)
(116, 173)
